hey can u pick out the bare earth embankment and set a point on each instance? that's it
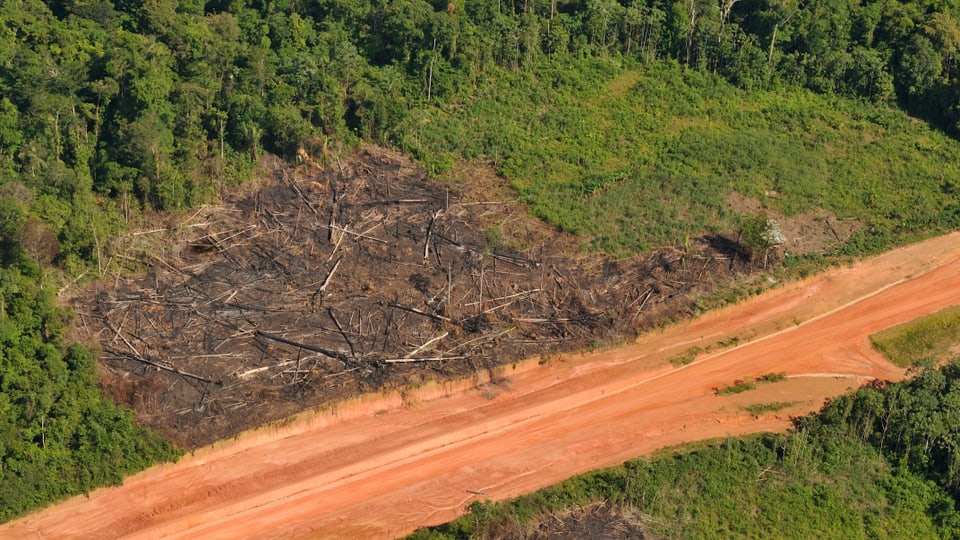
(385, 466)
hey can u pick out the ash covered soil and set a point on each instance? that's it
(321, 283)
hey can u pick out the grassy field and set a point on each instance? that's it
(935, 337)
(649, 156)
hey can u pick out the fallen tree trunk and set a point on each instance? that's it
(332, 354)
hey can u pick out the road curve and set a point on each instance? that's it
(380, 467)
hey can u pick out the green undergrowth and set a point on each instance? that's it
(59, 436)
(934, 336)
(690, 354)
(772, 377)
(864, 467)
(686, 356)
(632, 157)
(747, 383)
(761, 408)
(738, 387)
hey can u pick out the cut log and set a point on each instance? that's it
(418, 312)
(428, 343)
(326, 282)
(166, 368)
(327, 352)
(426, 243)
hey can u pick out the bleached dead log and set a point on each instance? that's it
(521, 293)
(481, 338)
(418, 312)
(414, 360)
(326, 282)
(428, 343)
(358, 235)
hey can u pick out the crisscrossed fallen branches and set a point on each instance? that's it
(311, 289)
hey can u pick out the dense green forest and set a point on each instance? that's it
(879, 463)
(112, 109)
(58, 435)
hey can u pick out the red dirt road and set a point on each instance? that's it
(381, 467)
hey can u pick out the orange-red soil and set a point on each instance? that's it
(382, 466)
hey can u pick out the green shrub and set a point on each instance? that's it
(686, 356)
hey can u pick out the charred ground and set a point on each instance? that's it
(321, 283)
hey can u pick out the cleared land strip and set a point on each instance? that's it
(380, 468)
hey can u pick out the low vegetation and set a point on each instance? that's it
(739, 386)
(932, 337)
(772, 377)
(633, 157)
(758, 409)
(686, 356)
(747, 383)
(871, 464)
(690, 354)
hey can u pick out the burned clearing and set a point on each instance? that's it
(322, 283)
